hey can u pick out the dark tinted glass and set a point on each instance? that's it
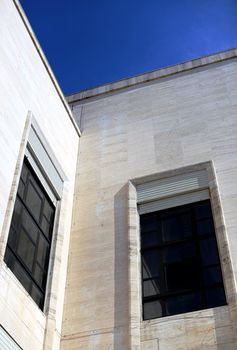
(28, 246)
(183, 303)
(152, 309)
(26, 250)
(180, 261)
(179, 252)
(151, 287)
(209, 251)
(34, 201)
(150, 239)
(177, 227)
(215, 296)
(205, 226)
(150, 264)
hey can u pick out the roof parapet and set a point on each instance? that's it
(117, 86)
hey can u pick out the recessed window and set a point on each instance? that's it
(180, 262)
(29, 241)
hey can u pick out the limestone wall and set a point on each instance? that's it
(26, 91)
(173, 122)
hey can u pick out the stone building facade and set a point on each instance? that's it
(141, 177)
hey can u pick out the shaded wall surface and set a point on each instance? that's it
(170, 123)
(27, 93)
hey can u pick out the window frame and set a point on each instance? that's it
(194, 239)
(47, 166)
(10, 251)
(137, 326)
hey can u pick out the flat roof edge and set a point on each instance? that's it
(153, 75)
(46, 64)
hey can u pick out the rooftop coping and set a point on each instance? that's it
(135, 81)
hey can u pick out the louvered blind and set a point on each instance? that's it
(6, 342)
(43, 166)
(172, 191)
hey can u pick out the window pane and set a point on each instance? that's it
(45, 227)
(150, 239)
(182, 275)
(12, 239)
(183, 303)
(180, 252)
(29, 226)
(26, 250)
(150, 264)
(152, 309)
(24, 173)
(212, 275)
(209, 251)
(181, 270)
(215, 297)
(42, 253)
(176, 227)
(148, 223)
(34, 201)
(37, 296)
(18, 270)
(48, 211)
(203, 211)
(21, 188)
(205, 226)
(151, 287)
(39, 275)
(16, 218)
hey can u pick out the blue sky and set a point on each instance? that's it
(92, 42)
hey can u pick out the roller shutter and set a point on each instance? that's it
(173, 191)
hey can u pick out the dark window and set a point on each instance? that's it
(28, 246)
(180, 261)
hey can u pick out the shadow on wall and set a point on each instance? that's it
(121, 300)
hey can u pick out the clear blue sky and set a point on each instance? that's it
(92, 42)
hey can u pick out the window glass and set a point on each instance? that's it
(183, 303)
(34, 201)
(180, 252)
(209, 251)
(150, 263)
(26, 250)
(203, 211)
(37, 295)
(180, 262)
(151, 287)
(29, 225)
(212, 275)
(215, 296)
(151, 239)
(182, 275)
(176, 227)
(28, 246)
(152, 309)
(43, 250)
(205, 226)
(17, 214)
(39, 275)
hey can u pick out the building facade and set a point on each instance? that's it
(118, 206)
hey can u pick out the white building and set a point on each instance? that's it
(121, 236)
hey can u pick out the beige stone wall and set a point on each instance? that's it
(26, 85)
(169, 123)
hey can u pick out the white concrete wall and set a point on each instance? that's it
(177, 121)
(25, 85)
